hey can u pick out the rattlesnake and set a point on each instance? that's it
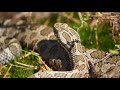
(61, 43)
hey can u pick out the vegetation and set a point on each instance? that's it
(98, 30)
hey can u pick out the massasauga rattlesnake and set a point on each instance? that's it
(60, 44)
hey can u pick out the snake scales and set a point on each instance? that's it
(58, 44)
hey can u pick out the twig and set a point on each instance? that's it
(81, 20)
(113, 34)
(47, 22)
(25, 65)
(96, 37)
(43, 63)
(7, 71)
(25, 55)
(58, 18)
(96, 33)
(32, 52)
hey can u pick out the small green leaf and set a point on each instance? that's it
(117, 46)
(114, 51)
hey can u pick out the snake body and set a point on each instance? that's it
(70, 41)
(60, 43)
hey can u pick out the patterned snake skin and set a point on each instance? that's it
(60, 44)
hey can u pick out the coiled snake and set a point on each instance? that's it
(60, 43)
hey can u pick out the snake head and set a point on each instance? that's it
(66, 35)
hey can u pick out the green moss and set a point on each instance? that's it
(20, 73)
